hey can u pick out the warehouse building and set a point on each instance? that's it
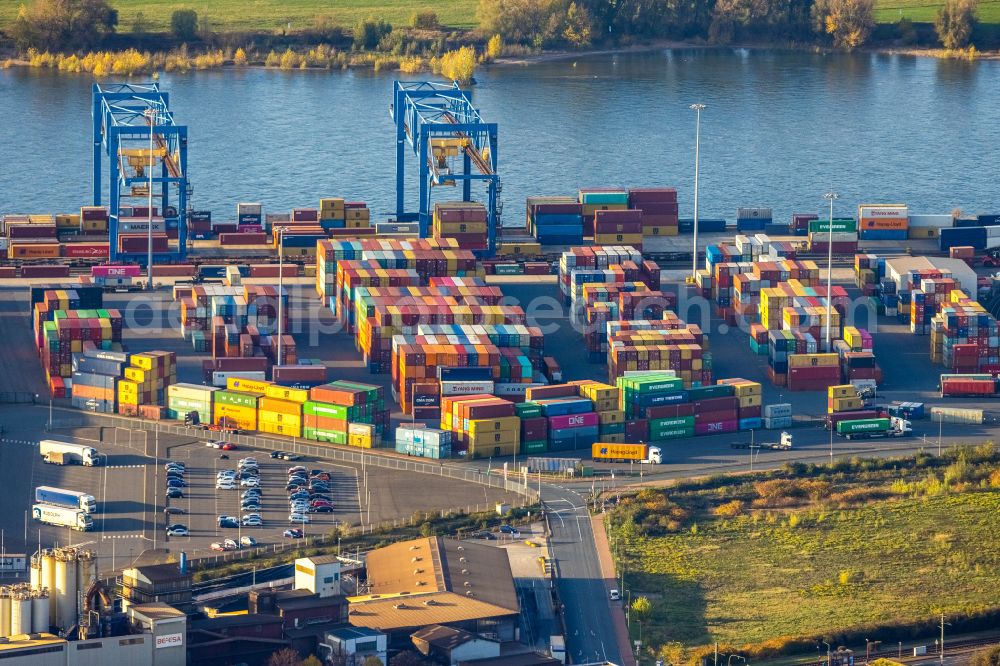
(438, 581)
(897, 268)
(449, 646)
(156, 583)
(354, 645)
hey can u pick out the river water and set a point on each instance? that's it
(781, 128)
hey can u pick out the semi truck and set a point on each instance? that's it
(640, 453)
(64, 453)
(70, 499)
(62, 517)
(784, 443)
(872, 428)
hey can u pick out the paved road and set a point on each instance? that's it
(590, 633)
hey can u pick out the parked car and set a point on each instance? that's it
(171, 510)
(228, 446)
(488, 536)
(510, 529)
(225, 484)
(320, 475)
(294, 533)
(174, 493)
(175, 464)
(176, 483)
(321, 496)
(249, 521)
(275, 455)
(326, 508)
(231, 544)
(177, 530)
(250, 482)
(248, 542)
(291, 456)
(297, 468)
(217, 546)
(250, 506)
(298, 517)
(228, 521)
(226, 473)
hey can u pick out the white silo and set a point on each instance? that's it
(4, 611)
(35, 571)
(65, 590)
(49, 579)
(39, 611)
(86, 570)
(20, 614)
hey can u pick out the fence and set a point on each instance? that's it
(20, 398)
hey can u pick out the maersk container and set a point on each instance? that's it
(863, 425)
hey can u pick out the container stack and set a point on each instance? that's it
(928, 226)
(843, 398)
(145, 382)
(236, 406)
(813, 372)
(555, 220)
(964, 336)
(778, 416)
(751, 401)
(249, 218)
(482, 425)
(352, 275)
(883, 222)
(465, 221)
(31, 237)
(61, 333)
(595, 199)
(593, 265)
(870, 277)
(669, 344)
(618, 227)
(93, 220)
(234, 321)
(659, 210)
(182, 399)
(844, 237)
(423, 442)
(800, 223)
(753, 219)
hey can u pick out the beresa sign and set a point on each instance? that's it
(169, 640)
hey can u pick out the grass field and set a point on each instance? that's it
(805, 567)
(270, 15)
(890, 11)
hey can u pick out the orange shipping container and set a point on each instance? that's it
(279, 406)
(33, 251)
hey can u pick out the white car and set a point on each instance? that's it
(248, 461)
(225, 484)
(225, 474)
(231, 544)
(252, 521)
(250, 482)
(248, 542)
(297, 468)
(214, 444)
(298, 517)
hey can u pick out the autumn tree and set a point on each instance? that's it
(519, 21)
(848, 22)
(63, 24)
(987, 657)
(285, 657)
(955, 22)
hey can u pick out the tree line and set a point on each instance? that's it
(542, 24)
(582, 23)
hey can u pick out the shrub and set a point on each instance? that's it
(729, 509)
(848, 22)
(954, 23)
(184, 24)
(494, 48)
(368, 33)
(425, 20)
(240, 57)
(458, 65)
(63, 24)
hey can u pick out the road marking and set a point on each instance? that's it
(122, 536)
(19, 441)
(125, 466)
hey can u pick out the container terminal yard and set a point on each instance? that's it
(151, 348)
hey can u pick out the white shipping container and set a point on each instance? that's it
(992, 232)
(139, 225)
(931, 221)
(3, 244)
(778, 410)
(882, 212)
(221, 378)
(191, 392)
(956, 415)
(514, 389)
(466, 388)
(248, 209)
(426, 436)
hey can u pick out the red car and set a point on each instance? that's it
(228, 446)
(320, 502)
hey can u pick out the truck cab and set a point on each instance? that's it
(654, 456)
(84, 522)
(901, 426)
(786, 441)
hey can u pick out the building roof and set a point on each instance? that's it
(323, 559)
(960, 270)
(225, 621)
(160, 573)
(22, 641)
(520, 659)
(312, 601)
(444, 638)
(157, 611)
(354, 633)
(434, 581)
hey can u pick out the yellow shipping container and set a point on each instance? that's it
(246, 385)
(611, 416)
(264, 416)
(841, 391)
(751, 401)
(280, 429)
(137, 375)
(506, 424)
(812, 360)
(618, 239)
(279, 406)
(598, 391)
(142, 361)
(485, 450)
(526, 249)
(660, 231)
(244, 417)
(846, 405)
(285, 393)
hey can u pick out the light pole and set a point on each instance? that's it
(829, 660)
(831, 443)
(151, 114)
(281, 290)
(697, 108)
(831, 197)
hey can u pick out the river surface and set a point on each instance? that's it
(781, 128)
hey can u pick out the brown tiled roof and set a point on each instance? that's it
(434, 581)
(445, 638)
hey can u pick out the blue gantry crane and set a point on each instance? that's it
(442, 127)
(124, 116)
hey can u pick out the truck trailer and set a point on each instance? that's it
(873, 428)
(640, 453)
(72, 454)
(62, 517)
(783, 444)
(70, 499)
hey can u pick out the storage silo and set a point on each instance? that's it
(4, 611)
(86, 570)
(49, 579)
(35, 571)
(20, 614)
(65, 589)
(39, 611)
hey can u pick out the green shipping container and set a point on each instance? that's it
(649, 384)
(862, 425)
(527, 410)
(846, 225)
(540, 446)
(673, 432)
(509, 269)
(237, 398)
(598, 198)
(322, 435)
(705, 392)
(329, 411)
(612, 428)
(671, 422)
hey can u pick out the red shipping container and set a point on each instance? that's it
(646, 195)
(716, 404)
(298, 373)
(96, 250)
(174, 270)
(667, 411)
(271, 270)
(657, 208)
(722, 415)
(534, 429)
(750, 412)
(636, 430)
(243, 239)
(44, 271)
(573, 421)
(8, 271)
(31, 231)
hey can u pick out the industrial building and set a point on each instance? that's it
(249, 639)
(158, 582)
(448, 646)
(157, 637)
(355, 644)
(319, 574)
(438, 581)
